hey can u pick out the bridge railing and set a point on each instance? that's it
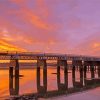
(57, 55)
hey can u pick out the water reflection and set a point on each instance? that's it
(52, 85)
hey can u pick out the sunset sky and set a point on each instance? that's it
(57, 26)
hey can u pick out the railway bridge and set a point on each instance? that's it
(82, 62)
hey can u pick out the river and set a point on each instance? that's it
(28, 83)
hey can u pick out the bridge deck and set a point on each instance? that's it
(46, 56)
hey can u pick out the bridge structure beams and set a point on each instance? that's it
(17, 69)
(93, 80)
(88, 68)
(75, 63)
(98, 63)
(11, 80)
(88, 82)
(40, 88)
(14, 77)
(97, 67)
(62, 64)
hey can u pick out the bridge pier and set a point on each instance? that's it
(11, 90)
(77, 68)
(99, 71)
(14, 86)
(10, 72)
(14, 79)
(85, 71)
(92, 71)
(95, 68)
(97, 80)
(17, 68)
(42, 89)
(81, 75)
(88, 68)
(77, 84)
(62, 86)
(97, 63)
(92, 80)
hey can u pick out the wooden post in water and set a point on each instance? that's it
(42, 89)
(73, 75)
(10, 72)
(85, 70)
(92, 71)
(58, 77)
(91, 81)
(62, 86)
(11, 80)
(77, 84)
(14, 79)
(17, 77)
(99, 71)
(38, 77)
(88, 68)
(45, 76)
(81, 75)
(16, 68)
(16, 88)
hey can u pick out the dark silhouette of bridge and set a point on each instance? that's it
(82, 63)
(45, 56)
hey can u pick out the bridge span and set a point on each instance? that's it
(83, 63)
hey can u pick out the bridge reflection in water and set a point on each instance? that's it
(82, 84)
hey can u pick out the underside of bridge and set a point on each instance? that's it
(82, 64)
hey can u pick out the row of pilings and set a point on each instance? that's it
(82, 66)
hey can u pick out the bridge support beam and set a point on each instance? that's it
(62, 86)
(92, 71)
(14, 86)
(11, 80)
(98, 68)
(42, 89)
(77, 84)
(97, 80)
(88, 68)
(85, 71)
(10, 72)
(14, 79)
(99, 71)
(17, 68)
(92, 80)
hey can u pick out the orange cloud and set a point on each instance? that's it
(19, 1)
(35, 20)
(27, 15)
(43, 7)
(96, 45)
(89, 47)
(4, 46)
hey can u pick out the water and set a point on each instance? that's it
(28, 83)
